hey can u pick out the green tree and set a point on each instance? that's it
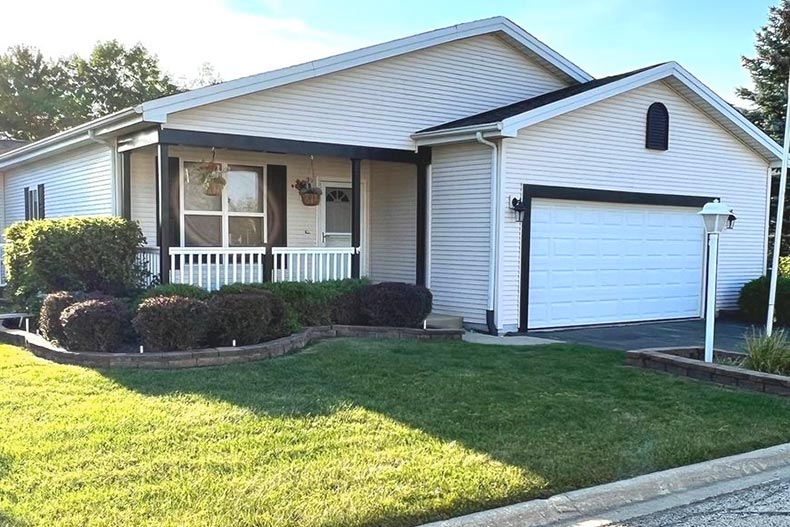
(769, 71)
(40, 96)
(32, 103)
(115, 77)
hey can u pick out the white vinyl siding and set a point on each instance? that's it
(76, 183)
(143, 186)
(393, 222)
(460, 236)
(382, 103)
(602, 146)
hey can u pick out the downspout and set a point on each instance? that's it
(113, 169)
(493, 233)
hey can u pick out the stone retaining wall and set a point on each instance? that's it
(687, 362)
(215, 356)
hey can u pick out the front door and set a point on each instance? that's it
(336, 215)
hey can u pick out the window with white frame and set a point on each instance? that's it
(236, 218)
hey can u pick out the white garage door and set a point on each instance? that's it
(597, 263)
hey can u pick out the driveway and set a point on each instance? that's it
(728, 336)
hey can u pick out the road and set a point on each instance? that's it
(765, 505)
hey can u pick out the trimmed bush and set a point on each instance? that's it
(305, 303)
(72, 254)
(347, 309)
(395, 304)
(245, 318)
(52, 308)
(183, 290)
(172, 323)
(753, 300)
(95, 325)
(784, 266)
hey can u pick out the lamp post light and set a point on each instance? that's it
(716, 217)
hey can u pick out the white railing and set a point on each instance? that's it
(314, 264)
(148, 259)
(212, 268)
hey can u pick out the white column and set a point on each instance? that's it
(710, 308)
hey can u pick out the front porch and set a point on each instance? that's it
(370, 220)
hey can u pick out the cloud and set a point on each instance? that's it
(185, 34)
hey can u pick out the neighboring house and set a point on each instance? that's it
(421, 146)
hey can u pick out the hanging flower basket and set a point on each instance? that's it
(312, 197)
(308, 190)
(211, 175)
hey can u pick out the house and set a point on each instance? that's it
(6, 143)
(473, 159)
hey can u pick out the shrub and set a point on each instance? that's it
(753, 300)
(769, 354)
(784, 266)
(395, 304)
(183, 290)
(346, 309)
(71, 254)
(95, 325)
(52, 308)
(245, 318)
(171, 323)
(305, 303)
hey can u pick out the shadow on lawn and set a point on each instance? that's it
(571, 415)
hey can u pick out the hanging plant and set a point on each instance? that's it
(309, 191)
(211, 175)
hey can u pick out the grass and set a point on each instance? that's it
(350, 432)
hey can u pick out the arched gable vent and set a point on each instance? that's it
(657, 129)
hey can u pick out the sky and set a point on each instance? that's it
(244, 37)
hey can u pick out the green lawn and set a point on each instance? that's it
(350, 432)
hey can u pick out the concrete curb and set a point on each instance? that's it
(577, 504)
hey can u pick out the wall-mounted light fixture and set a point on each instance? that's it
(518, 206)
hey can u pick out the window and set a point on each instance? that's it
(233, 219)
(34, 203)
(657, 128)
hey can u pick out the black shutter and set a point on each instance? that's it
(657, 127)
(277, 205)
(41, 201)
(27, 203)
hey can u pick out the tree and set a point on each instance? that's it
(40, 96)
(769, 71)
(206, 76)
(32, 105)
(114, 77)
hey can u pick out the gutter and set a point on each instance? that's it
(493, 233)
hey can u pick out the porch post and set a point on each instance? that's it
(356, 214)
(163, 181)
(126, 185)
(422, 200)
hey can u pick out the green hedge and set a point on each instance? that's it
(753, 300)
(306, 303)
(71, 254)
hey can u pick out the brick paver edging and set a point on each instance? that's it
(687, 362)
(215, 356)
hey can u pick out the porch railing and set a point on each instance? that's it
(212, 268)
(314, 264)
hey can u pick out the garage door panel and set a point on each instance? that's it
(596, 263)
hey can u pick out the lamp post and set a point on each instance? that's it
(716, 217)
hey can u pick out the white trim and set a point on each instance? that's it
(510, 126)
(158, 109)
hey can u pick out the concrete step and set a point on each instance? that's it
(444, 322)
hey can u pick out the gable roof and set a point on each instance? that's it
(503, 112)
(157, 109)
(506, 121)
(7, 144)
